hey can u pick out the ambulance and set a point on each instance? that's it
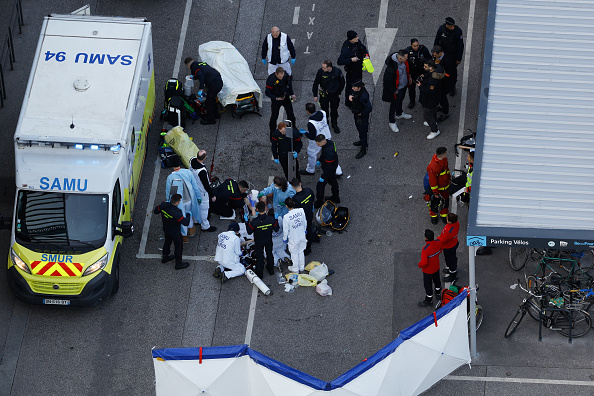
(80, 144)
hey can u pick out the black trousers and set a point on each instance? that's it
(430, 116)
(259, 248)
(275, 107)
(412, 88)
(430, 280)
(212, 112)
(221, 208)
(350, 79)
(331, 101)
(284, 161)
(178, 245)
(446, 87)
(321, 187)
(396, 105)
(451, 260)
(362, 124)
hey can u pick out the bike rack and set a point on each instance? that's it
(541, 314)
(16, 17)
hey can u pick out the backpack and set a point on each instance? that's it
(466, 142)
(173, 87)
(330, 215)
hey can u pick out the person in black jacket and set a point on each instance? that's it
(329, 162)
(331, 83)
(449, 66)
(211, 79)
(262, 227)
(351, 56)
(173, 219)
(280, 91)
(281, 148)
(206, 195)
(361, 107)
(304, 198)
(417, 53)
(396, 81)
(449, 37)
(430, 94)
(228, 197)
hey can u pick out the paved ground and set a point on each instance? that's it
(106, 349)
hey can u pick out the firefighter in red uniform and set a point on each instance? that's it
(439, 182)
(430, 265)
(449, 243)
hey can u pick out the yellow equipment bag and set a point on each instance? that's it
(312, 265)
(307, 280)
(367, 65)
(182, 144)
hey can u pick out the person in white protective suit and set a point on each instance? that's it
(182, 182)
(228, 254)
(279, 248)
(203, 180)
(317, 124)
(294, 226)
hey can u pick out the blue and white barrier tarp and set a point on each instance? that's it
(422, 354)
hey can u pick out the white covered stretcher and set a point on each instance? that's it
(235, 71)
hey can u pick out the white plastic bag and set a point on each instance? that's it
(320, 272)
(323, 288)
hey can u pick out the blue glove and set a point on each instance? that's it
(321, 180)
(294, 154)
(200, 93)
(264, 62)
(276, 161)
(318, 163)
(276, 215)
(285, 241)
(245, 217)
(293, 61)
(302, 131)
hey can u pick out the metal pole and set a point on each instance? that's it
(472, 286)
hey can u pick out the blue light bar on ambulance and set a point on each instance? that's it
(78, 146)
(115, 148)
(94, 147)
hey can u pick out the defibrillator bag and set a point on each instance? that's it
(467, 142)
(173, 87)
(329, 215)
(175, 114)
(341, 218)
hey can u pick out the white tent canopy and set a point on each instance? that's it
(235, 71)
(422, 354)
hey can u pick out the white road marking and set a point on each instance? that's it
(157, 173)
(309, 34)
(251, 315)
(311, 20)
(518, 380)
(307, 50)
(383, 14)
(313, 7)
(296, 15)
(464, 93)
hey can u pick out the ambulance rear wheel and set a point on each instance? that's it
(115, 286)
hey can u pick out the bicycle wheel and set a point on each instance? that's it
(515, 322)
(580, 325)
(589, 309)
(479, 316)
(518, 257)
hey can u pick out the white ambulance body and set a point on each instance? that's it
(80, 144)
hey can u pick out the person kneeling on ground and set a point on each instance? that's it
(228, 254)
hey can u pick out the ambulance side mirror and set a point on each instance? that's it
(125, 229)
(5, 223)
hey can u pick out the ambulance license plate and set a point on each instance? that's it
(51, 301)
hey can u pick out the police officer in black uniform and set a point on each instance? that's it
(448, 63)
(416, 54)
(281, 148)
(329, 162)
(228, 196)
(173, 218)
(351, 56)
(449, 38)
(210, 78)
(262, 227)
(280, 91)
(361, 107)
(304, 198)
(331, 83)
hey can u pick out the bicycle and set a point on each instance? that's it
(569, 322)
(519, 256)
(566, 262)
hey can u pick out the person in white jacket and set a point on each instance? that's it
(228, 254)
(294, 226)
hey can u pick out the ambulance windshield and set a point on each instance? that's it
(61, 222)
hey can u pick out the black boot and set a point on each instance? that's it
(411, 104)
(336, 128)
(167, 258)
(181, 265)
(361, 153)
